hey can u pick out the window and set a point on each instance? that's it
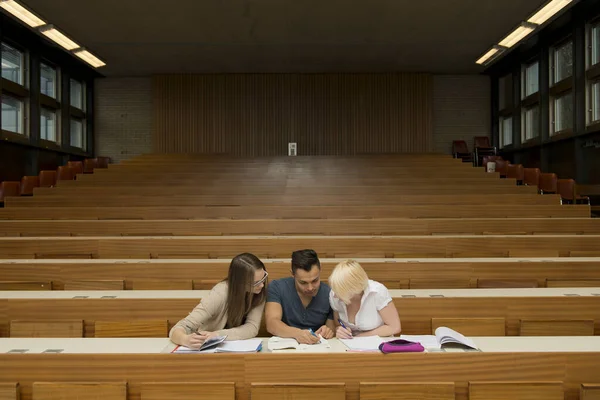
(562, 62)
(595, 45)
(505, 98)
(77, 94)
(595, 100)
(48, 125)
(506, 131)
(531, 80)
(13, 64)
(77, 133)
(12, 114)
(563, 112)
(48, 80)
(531, 123)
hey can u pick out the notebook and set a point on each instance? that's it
(363, 343)
(443, 336)
(277, 343)
(210, 343)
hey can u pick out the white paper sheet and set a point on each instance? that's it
(366, 343)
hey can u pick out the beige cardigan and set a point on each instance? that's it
(210, 315)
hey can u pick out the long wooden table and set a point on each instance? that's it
(282, 246)
(434, 273)
(416, 308)
(572, 362)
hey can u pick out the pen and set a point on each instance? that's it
(312, 332)
(341, 323)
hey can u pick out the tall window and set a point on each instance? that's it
(13, 62)
(48, 125)
(531, 79)
(77, 133)
(77, 94)
(506, 131)
(12, 114)
(561, 89)
(530, 123)
(593, 73)
(48, 81)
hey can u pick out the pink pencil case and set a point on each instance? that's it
(401, 346)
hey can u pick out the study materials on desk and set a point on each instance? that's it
(443, 336)
(231, 346)
(363, 343)
(277, 343)
(210, 343)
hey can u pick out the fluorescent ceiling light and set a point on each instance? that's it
(489, 55)
(89, 58)
(58, 37)
(22, 13)
(516, 36)
(548, 11)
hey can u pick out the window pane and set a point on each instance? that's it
(596, 101)
(506, 131)
(48, 125)
(532, 81)
(563, 112)
(563, 62)
(531, 123)
(595, 45)
(12, 114)
(12, 64)
(76, 94)
(48, 81)
(77, 138)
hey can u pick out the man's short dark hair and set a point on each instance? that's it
(304, 259)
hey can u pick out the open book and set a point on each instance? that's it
(231, 346)
(443, 336)
(278, 344)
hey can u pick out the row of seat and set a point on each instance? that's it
(482, 148)
(332, 390)
(49, 178)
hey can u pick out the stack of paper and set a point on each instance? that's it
(232, 346)
(363, 343)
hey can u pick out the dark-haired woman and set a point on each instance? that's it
(233, 307)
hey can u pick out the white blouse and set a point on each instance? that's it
(375, 298)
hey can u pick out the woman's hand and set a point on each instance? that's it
(343, 333)
(194, 341)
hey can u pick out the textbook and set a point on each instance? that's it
(443, 336)
(206, 346)
(231, 346)
(276, 343)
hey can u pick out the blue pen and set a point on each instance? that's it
(343, 326)
(312, 332)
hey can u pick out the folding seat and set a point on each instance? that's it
(461, 150)
(548, 183)
(516, 171)
(9, 189)
(47, 178)
(89, 164)
(483, 147)
(65, 173)
(76, 165)
(566, 189)
(502, 167)
(531, 176)
(102, 162)
(28, 183)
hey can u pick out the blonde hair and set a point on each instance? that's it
(348, 279)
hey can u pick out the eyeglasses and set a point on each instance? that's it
(262, 280)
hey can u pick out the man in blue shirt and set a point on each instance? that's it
(298, 307)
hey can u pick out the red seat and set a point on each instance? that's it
(481, 142)
(28, 183)
(502, 167)
(566, 189)
(460, 149)
(102, 162)
(65, 173)
(483, 148)
(531, 176)
(548, 183)
(488, 159)
(47, 178)
(89, 164)
(516, 171)
(76, 165)
(9, 189)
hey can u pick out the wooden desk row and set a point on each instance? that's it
(111, 247)
(388, 226)
(520, 311)
(164, 198)
(203, 274)
(533, 373)
(294, 212)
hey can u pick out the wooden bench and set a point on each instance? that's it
(79, 390)
(517, 390)
(188, 390)
(298, 391)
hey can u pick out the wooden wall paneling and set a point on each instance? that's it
(472, 326)
(590, 391)
(557, 327)
(132, 328)
(78, 390)
(9, 391)
(188, 390)
(94, 285)
(298, 391)
(516, 390)
(46, 328)
(407, 391)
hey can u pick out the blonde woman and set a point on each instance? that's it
(361, 307)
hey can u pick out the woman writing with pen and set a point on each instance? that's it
(362, 307)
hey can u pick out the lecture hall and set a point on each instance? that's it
(288, 200)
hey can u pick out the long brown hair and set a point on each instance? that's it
(240, 296)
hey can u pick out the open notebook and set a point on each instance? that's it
(363, 343)
(443, 336)
(281, 344)
(231, 346)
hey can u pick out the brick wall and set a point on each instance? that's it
(461, 110)
(123, 117)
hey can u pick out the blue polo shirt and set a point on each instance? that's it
(283, 291)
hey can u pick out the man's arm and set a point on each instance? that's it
(276, 327)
